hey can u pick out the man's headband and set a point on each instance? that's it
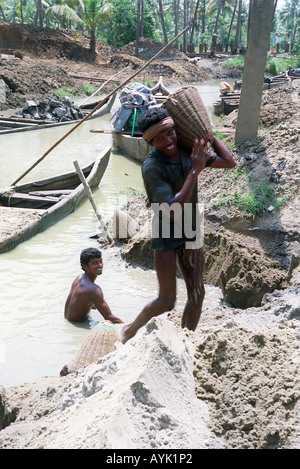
(156, 129)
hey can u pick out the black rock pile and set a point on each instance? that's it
(53, 109)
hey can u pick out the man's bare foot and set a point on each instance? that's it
(125, 334)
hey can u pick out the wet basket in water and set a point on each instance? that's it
(186, 108)
(99, 342)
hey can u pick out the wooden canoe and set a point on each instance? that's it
(160, 91)
(19, 124)
(134, 147)
(44, 202)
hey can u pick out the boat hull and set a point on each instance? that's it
(19, 124)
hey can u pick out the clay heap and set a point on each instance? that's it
(52, 109)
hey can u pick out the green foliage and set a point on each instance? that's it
(149, 83)
(227, 140)
(284, 63)
(62, 92)
(135, 191)
(277, 65)
(274, 66)
(121, 29)
(271, 68)
(86, 90)
(237, 63)
(89, 89)
(115, 21)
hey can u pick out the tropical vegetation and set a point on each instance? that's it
(119, 22)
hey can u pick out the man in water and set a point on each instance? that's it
(170, 178)
(85, 294)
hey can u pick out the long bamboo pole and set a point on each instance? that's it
(101, 104)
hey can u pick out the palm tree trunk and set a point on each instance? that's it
(93, 42)
(238, 27)
(138, 22)
(184, 25)
(256, 56)
(2, 13)
(217, 17)
(39, 12)
(249, 15)
(194, 21)
(142, 19)
(176, 7)
(294, 35)
(203, 17)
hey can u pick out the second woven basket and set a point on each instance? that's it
(99, 342)
(186, 108)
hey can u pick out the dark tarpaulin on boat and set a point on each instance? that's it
(133, 97)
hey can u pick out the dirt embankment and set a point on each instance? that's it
(53, 59)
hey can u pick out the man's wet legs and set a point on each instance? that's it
(191, 263)
(165, 264)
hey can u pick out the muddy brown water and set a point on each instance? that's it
(35, 277)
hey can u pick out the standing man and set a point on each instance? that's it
(85, 294)
(170, 177)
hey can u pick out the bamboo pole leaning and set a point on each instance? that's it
(100, 104)
(92, 200)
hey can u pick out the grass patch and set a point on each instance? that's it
(63, 92)
(255, 200)
(135, 191)
(87, 90)
(228, 140)
(236, 63)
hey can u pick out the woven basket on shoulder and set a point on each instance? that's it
(186, 108)
(99, 342)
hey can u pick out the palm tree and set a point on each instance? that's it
(231, 23)
(65, 11)
(39, 13)
(250, 101)
(2, 12)
(161, 12)
(194, 21)
(216, 5)
(290, 15)
(238, 27)
(138, 27)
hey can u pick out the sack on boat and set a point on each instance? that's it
(186, 108)
(99, 342)
(133, 97)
